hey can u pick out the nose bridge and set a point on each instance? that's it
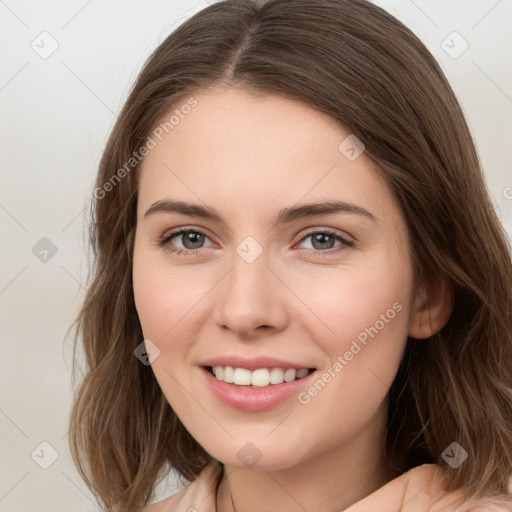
(249, 296)
(248, 279)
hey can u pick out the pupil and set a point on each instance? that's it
(320, 237)
(193, 238)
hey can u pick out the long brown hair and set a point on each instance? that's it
(364, 68)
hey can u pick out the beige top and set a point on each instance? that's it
(420, 489)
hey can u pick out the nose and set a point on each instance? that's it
(251, 300)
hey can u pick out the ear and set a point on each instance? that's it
(431, 311)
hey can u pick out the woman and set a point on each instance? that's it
(291, 306)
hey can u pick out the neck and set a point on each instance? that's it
(331, 481)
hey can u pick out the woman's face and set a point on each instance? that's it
(328, 289)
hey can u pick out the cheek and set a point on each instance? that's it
(365, 318)
(165, 295)
(351, 301)
(166, 300)
(379, 311)
(370, 322)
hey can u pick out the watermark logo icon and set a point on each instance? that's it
(44, 455)
(44, 45)
(249, 249)
(147, 352)
(351, 147)
(249, 454)
(454, 45)
(44, 250)
(454, 455)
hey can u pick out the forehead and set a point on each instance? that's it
(259, 151)
(245, 127)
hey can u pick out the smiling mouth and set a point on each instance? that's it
(259, 378)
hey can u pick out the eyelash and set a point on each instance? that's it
(164, 242)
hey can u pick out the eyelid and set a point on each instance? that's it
(331, 231)
(181, 231)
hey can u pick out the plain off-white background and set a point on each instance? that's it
(56, 114)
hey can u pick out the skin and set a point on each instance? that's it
(248, 157)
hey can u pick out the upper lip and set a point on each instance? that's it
(252, 363)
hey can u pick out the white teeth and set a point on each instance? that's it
(229, 373)
(290, 375)
(260, 378)
(242, 377)
(276, 376)
(302, 373)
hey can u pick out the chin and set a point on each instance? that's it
(258, 456)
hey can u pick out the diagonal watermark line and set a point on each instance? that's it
(72, 220)
(14, 76)
(214, 489)
(14, 486)
(88, 87)
(14, 423)
(492, 81)
(13, 13)
(13, 217)
(191, 190)
(424, 13)
(415, 496)
(280, 422)
(88, 497)
(13, 279)
(198, 301)
(76, 14)
(300, 300)
(73, 277)
(376, 376)
(198, 402)
(287, 492)
(485, 15)
(504, 503)
(79, 284)
(310, 189)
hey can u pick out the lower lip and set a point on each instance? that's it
(254, 399)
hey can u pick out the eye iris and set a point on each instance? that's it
(195, 238)
(320, 237)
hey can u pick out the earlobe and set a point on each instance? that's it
(431, 311)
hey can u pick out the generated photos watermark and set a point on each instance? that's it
(328, 375)
(151, 143)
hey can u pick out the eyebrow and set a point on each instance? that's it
(285, 216)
